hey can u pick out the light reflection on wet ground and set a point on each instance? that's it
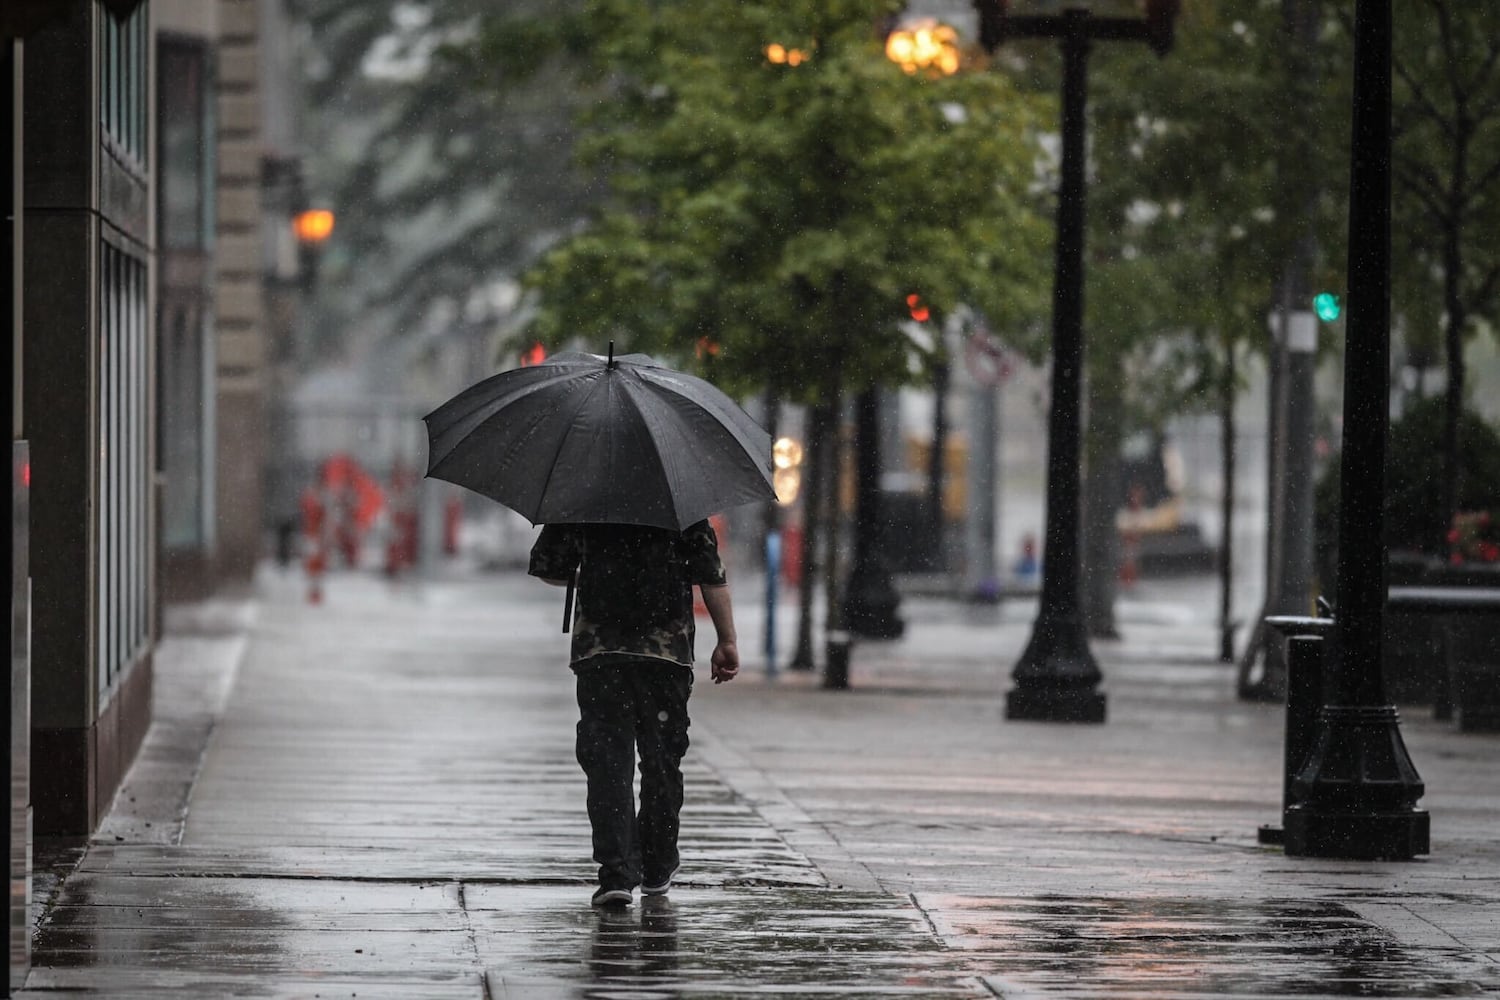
(435, 848)
(1166, 946)
(140, 936)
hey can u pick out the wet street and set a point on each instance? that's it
(377, 797)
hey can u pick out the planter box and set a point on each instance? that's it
(1473, 647)
(1413, 654)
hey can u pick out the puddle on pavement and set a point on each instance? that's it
(151, 936)
(1204, 947)
(715, 943)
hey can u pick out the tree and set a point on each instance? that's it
(1415, 520)
(769, 219)
(1212, 170)
(1446, 202)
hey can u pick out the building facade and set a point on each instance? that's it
(132, 284)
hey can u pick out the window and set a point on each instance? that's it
(185, 164)
(182, 422)
(124, 484)
(122, 87)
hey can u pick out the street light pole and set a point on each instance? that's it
(1357, 794)
(871, 604)
(1057, 676)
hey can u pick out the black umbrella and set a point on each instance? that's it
(582, 438)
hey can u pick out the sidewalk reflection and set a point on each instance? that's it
(634, 954)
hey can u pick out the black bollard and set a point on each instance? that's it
(1304, 699)
(836, 662)
(286, 541)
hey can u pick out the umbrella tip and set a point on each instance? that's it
(611, 354)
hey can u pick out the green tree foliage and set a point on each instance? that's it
(1446, 204)
(1212, 163)
(771, 219)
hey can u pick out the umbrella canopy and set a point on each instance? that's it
(581, 438)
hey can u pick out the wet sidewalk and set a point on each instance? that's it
(377, 797)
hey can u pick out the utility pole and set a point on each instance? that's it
(1294, 333)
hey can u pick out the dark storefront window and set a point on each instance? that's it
(185, 193)
(122, 87)
(181, 423)
(186, 164)
(123, 481)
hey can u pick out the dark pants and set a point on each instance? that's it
(625, 708)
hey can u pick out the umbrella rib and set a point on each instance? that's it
(650, 437)
(456, 420)
(562, 444)
(732, 417)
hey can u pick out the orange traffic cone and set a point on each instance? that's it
(315, 563)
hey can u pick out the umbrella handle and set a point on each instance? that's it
(568, 602)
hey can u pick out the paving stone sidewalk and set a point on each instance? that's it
(376, 796)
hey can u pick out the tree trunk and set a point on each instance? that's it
(1453, 337)
(1226, 537)
(771, 525)
(813, 534)
(833, 560)
(937, 559)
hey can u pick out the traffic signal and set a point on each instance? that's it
(917, 308)
(312, 227)
(1327, 306)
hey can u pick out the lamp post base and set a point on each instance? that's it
(1357, 793)
(872, 609)
(1395, 836)
(1050, 704)
(836, 662)
(1057, 677)
(874, 623)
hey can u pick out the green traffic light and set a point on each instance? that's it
(1327, 306)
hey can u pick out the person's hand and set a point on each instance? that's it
(725, 662)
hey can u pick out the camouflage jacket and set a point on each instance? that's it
(635, 586)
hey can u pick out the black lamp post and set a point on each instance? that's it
(1357, 793)
(871, 603)
(1057, 677)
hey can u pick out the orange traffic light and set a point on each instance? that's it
(313, 225)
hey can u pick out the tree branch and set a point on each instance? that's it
(1486, 289)
(1482, 78)
(1450, 51)
(1422, 100)
(1421, 182)
(1477, 188)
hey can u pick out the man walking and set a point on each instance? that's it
(632, 653)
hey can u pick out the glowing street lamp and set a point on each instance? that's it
(924, 45)
(783, 56)
(786, 457)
